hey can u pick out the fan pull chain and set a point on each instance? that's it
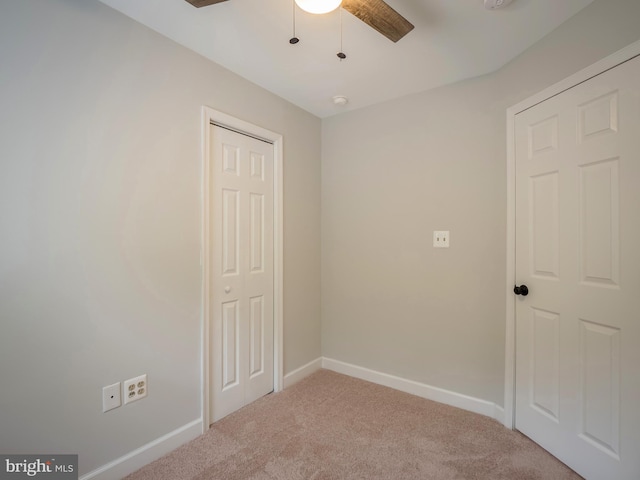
(293, 40)
(341, 55)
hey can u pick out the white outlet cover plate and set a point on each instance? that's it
(111, 397)
(135, 388)
(441, 238)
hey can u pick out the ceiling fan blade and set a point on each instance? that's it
(204, 3)
(380, 16)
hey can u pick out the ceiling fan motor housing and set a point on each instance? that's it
(495, 4)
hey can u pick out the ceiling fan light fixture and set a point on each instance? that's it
(318, 6)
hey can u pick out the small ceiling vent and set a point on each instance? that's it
(340, 100)
(495, 4)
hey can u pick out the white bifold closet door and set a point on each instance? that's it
(242, 283)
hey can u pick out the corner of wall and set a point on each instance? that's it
(302, 372)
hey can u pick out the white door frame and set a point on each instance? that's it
(597, 68)
(210, 116)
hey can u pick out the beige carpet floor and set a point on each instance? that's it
(331, 426)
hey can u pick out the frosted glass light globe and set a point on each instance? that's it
(318, 6)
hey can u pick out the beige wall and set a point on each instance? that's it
(393, 173)
(100, 225)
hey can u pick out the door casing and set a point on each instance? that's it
(210, 116)
(597, 68)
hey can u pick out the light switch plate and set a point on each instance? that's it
(441, 238)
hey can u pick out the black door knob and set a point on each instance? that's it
(521, 290)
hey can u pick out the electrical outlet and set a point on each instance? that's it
(441, 238)
(135, 388)
(111, 397)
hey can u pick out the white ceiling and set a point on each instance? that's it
(452, 40)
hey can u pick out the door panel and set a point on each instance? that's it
(543, 225)
(256, 356)
(242, 270)
(600, 395)
(600, 223)
(545, 362)
(230, 232)
(577, 249)
(230, 347)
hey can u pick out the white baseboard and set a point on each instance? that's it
(498, 413)
(132, 461)
(423, 390)
(304, 371)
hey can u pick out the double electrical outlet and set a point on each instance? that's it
(134, 389)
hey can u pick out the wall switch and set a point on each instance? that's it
(441, 238)
(135, 388)
(111, 397)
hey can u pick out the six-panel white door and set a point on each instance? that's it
(578, 251)
(241, 269)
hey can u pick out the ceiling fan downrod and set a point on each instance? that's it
(293, 40)
(341, 55)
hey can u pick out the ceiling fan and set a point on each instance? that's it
(375, 13)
